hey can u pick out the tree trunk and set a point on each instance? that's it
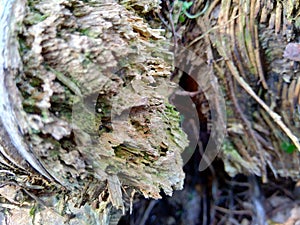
(85, 117)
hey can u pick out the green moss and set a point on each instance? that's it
(34, 131)
(54, 154)
(35, 18)
(88, 121)
(36, 82)
(231, 152)
(86, 62)
(23, 47)
(30, 107)
(229, 109)
(172, 118)
(85, 31)
(171, 110)
(229, 147)
(45, 115)
(67, 144)
(88, 32)
(32, 3)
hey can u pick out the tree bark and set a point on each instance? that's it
(85, 118)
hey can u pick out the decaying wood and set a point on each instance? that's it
(85, 118)
(13, 147)
(260, 82)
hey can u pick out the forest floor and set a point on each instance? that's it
(213, 197)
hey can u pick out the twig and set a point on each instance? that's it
(131, 200)
(248, 129)
(210, 30)
(249, 90)
(272, 114)
(148, 211)
(165, 23)
(233, 221)
(235, 212)
(34, 197)
(170, 17)
(205, 207)
(258, 60)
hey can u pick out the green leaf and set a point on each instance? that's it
(181, 18)
(186, 5)
(288, 147)
(32, 211)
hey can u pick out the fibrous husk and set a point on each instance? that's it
(246, 40)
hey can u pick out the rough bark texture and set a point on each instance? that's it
(85, 117)
(84, 87)
(246, 42)
(262, 85)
